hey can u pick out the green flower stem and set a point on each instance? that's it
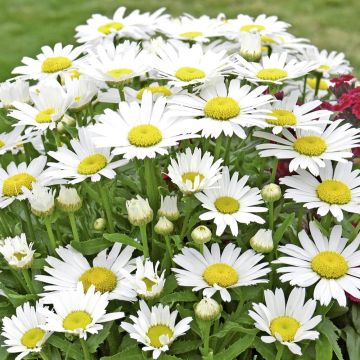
(5, 225)
(280, 350)
(140, 174)
(274, 169)
(19, 279)
(144, 241)
(184, 225)
(317, 86)
(85, 349)
(206, 338)
(121, 91)
(227, 150)
(107, 207)
(73, 226)
(50, 234)
(151, 184)
(271, 215)
(218, 143)
(44, 356)
(355, 231)
(304, 89)
(28, 281)
(300, 218)
(168, 247)
(28, 221)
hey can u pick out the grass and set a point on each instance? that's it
(26, 25)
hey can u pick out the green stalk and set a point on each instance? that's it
(144, 241)
(227, 150)
(304, 89)
(280, 350)
(28, 221)
(151, 185)
(28, 281)
(274, 169)
(217, 150)
(44, 356)
(121, 91)
(318, 79)
(50, 234)
(19, 279)
(106, 205)
(271, 215)
(206, 338)
(85, 349)
(355, 232)
(73, 226)
(300, 218)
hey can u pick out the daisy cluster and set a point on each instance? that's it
(187, 178)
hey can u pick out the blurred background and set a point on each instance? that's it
(26, 25)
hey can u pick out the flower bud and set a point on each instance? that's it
(139, 211)
(262, 241)
(201, 235)
(60, 127)
(169, 208)
(41, 200)
(68, 199)
(68, 120)
(164, 226)
(207, 309)
(250, 48)
(271, 192)
(99, 224)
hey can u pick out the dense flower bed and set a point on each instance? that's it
(180, 188)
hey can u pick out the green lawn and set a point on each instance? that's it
(26, 25)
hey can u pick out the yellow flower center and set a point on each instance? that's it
(252, 27)
(310, 145)
(323, 85)
(75, 74)
(156, 331)
(44, 116)
(191, 34)
(188, 73)
(55, 64)
(283, 118)
(222, 108)
(272, 74)
(92, 164)
(144, 135)
(191, 175)
(324, 67)
(13, 184)
(2, 144)
(285, 326)
(32, 337)
(149, 283)
(227, 205)
(267, 39)
(77, 320)
(334, 192)
(155, 90)
(19, 255)
(221, 274)
(107, 28)
(329, 264)
(120, 72)
(102, 278)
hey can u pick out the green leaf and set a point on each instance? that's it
(124, 239)
(131, 353)
(234, 350)
(267, 351)
(17, 299)
(95, 340)
(352, 343)
(186, 295)
(323, 348)
(164, 356)
(232, 327)
(71, 349)
(327, 328)
(91, 247)
(3, 352)
(181, 347)
(281, 230)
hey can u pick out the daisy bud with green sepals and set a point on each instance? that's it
(262, 241)
(169, 208)
(164, 226)
(68, 120)
(201, 235)
(139, 211)
(207, 309)
(271, 193)
(68, 199)
(60, 128)
(41, 200)
(16, 251)
(99, 224)
(250, 48)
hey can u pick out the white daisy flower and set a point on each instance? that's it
(10, 91)
(308, 149)
(140, 130)
(50, 104)
(330, 263)
(192, 172)
(215, 271)
(14, 139)
(288, 322)
(265, 25)
(79, 312)
(336, 191)
(51, 62)
(134, 25)
(17, 252)
(183, 65)
(229, 201)
(219, 109)
(285, 42)
(145, 280)
(104, 274)
(189, 28)
(85, 161)
(23, 331)
(41, 199)
(274, 69)
(286, 113)
(330, 63)
(15, 177)
(116, 64)
(156, 327)
(310, 88)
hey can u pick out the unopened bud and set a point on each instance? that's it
(207, 309)
(99, 224)
(271, 192)
(262, 241)
(250, 48)
(201, 235)
(139, 211)
(164, 226)
(68, 199)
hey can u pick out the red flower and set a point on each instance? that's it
(341, 79)
(356, 110)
